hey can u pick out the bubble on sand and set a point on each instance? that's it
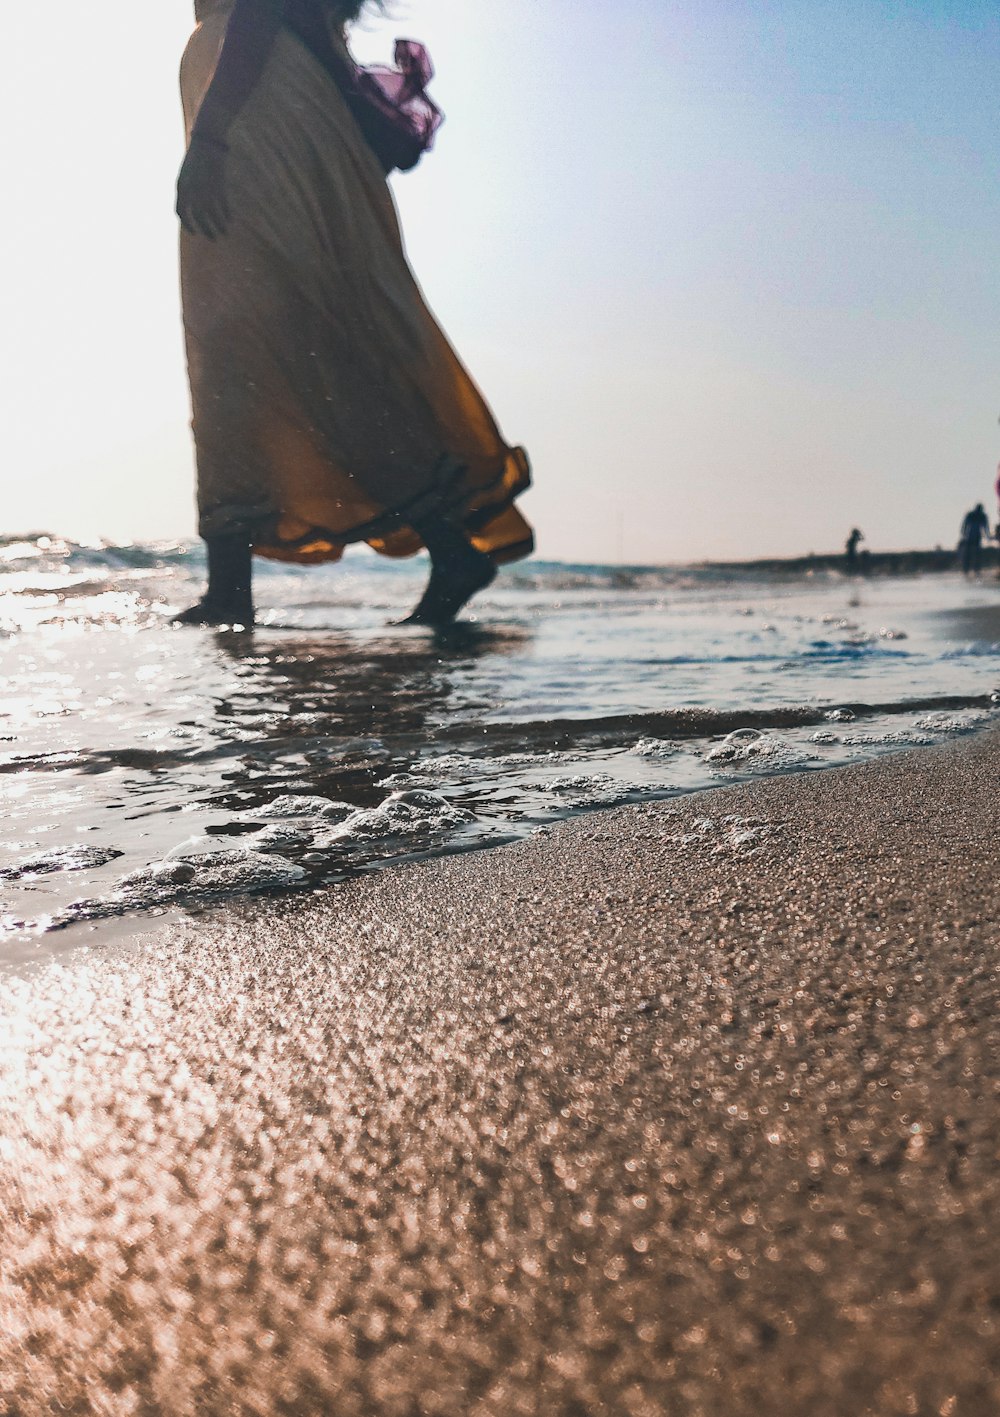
(735, 745)
(201, 845)
(552, 755)
(445, 764)
(187, 880)
(278, 837)
(292, 805)
(942, 722)
(69, 858)
(337, 811)
(212, 872)
(744, 833)
(404, 781)
(731, 834)
(581, 790)
(419, 800)
(653, 748)
(824, 736)
(747, 747)
(173, 873)
(413, 813)
(901, 737)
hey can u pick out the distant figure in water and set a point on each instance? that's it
(328, 406)
(970, 546)
(851, 550)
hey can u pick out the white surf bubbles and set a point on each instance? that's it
(141, 765)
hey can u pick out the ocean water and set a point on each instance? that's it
(147, 770)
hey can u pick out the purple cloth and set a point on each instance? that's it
(391, 106)
(403, 89)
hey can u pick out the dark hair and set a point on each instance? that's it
(346, 11)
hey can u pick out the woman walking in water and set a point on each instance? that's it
(328, 406)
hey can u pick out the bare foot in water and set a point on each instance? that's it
(453, 583)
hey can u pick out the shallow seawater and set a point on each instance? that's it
(146, 769)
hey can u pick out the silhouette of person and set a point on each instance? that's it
(851, 549)
(975, 526)
(328, 406)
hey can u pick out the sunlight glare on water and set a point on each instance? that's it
(146, 767)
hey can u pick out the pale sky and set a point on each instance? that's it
(730, 269)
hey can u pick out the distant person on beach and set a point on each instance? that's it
(328, 406)
(970, 546)
(851, 549)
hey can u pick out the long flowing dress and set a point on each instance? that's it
(328, 406)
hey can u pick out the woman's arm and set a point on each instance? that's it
(245, 52)
(201, 190)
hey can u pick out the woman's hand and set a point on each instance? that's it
(201, 189)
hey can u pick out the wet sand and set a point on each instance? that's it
(679, 1109)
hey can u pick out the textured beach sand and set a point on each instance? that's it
(685, 1109)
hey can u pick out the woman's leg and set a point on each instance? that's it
(458, 571)
(229, 597)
